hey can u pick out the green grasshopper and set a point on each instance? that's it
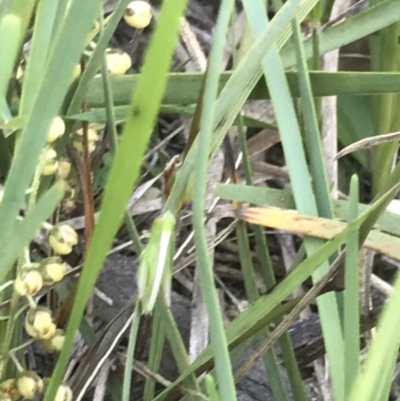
(155, 269)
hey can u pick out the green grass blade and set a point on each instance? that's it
(155, 353)
(352, 29)
(302, 191)
(177, 346)
(313, 142)
(124, 172)
(385, 57)
(184, 88)
(112, 130)
(351, 314)
(10, 30)
(268, 273)
(95, 60)
(270, 358)
(382, 354)
(218, 341)
(126, 389)
(211, 388)
(38, 53)
(25, 231)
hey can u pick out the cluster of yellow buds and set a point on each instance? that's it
(52, 270)
(28, 385)
(28, 281)
(31, 279)
(55, 343)
(62, 238)
(39, 324)
(51, 165)
(9, 390)
(92, 137)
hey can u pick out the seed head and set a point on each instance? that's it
(62, 238)
(64, 393)
(53, 269)
(51, 163)
(118, 62)
(29, 384)
(39, 323)
(56, 130)
(138, 14)
(28, 282)
(9, 389)
(55, 343)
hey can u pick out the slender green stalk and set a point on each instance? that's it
(177, 346)
(126, 390)
(155, 353)
(11, 332)
(218, 339)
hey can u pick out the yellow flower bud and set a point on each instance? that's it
(77, 140)
(8, 388)
(64, 393)
(5, 397)
(29, 281)
(118, 62)
(64, 168)
(53, 270)
(77, 71)
(39, 323)
(29, 384)
(55, 343)
(20, 73)
(56, 130)
(51, 163)
(62, 238)
(138, 14)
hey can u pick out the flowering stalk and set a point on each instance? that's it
(22, 261)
